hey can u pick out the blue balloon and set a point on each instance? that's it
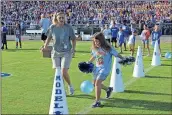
(168, 55)
(87, 87)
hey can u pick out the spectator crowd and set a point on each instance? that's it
(82, 12)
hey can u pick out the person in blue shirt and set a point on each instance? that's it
(127, 32)
(4, 36)
(156, 34)
(45, 24)
(114, 31)
(121, 37)
(102, 53)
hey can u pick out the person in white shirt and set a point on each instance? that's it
(131, 41)
(107, 33)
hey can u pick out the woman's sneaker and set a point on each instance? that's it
(96, 104)
(108, 92)
(71, 90)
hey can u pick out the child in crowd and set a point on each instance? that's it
(131, 41)
(114, 32)
(145, 39)
(156, 34)
(121, 37)
(102, 52)
(18, 35)
(107, 33)
(127, 32)
(4, 36)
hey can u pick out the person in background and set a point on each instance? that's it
(114, 32)
(44, 24)
(121, 37)
(131, 41)
(64, 43)
(4, 36)
(107, 33)
(145, 39)
(102, 53)
(156, 34)
(18, 35)
(127, 32)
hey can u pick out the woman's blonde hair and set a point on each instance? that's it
(103, 43)
(55, 20)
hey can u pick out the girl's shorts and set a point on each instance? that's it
(120, 43)
(145, 41)
(131, 46)
(99, 74)
(153, 43)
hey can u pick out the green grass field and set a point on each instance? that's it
(28, 90)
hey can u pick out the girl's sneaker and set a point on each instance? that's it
(108, 92)
(96, 104)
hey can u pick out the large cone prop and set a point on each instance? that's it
(58, 103)
(138, 67)
(116, 77)
(156, 59)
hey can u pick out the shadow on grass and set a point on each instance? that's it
(161, 60)
(147, 76)
(147, 93)
(166, 65)
(131, 104)
(83, 52)
(82, 96)
(15, 50)
(137, 104)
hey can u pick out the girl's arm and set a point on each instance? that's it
(119, 56)
(115, 53)
(91, 59)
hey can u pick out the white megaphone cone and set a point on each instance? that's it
(156, 59)
(138, 67)
(58, 104)
(116, 77)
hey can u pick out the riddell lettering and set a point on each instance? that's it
(58, 78)
(58, 84)
(58, 98)
(57, 113)
(56, 105)
(58, 91)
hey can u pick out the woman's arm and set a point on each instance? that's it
(73, 44)
(45, 47)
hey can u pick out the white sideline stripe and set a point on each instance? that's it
(134, 79)
(88, 109)
(19, 62)
(11, 63)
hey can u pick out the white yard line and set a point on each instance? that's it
(87, 109)
(8, 64)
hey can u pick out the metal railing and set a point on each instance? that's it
(166, 28)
